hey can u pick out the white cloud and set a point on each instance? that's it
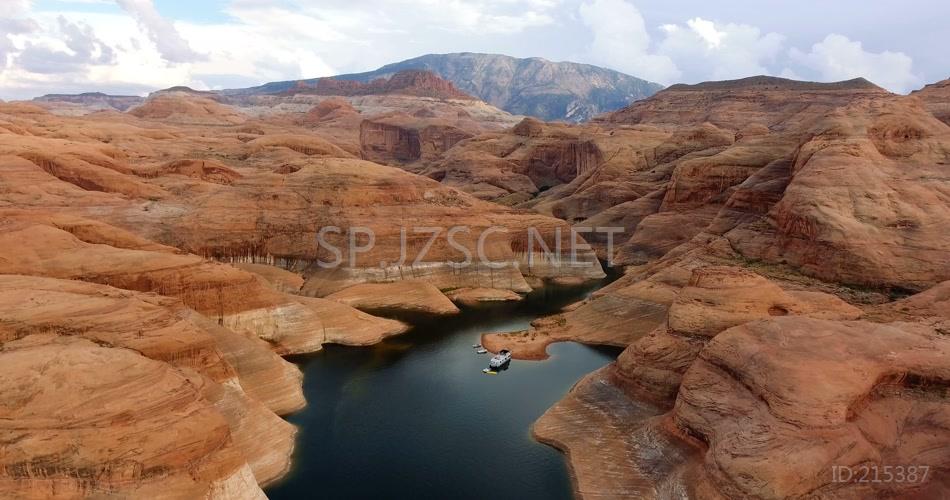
(699, 50)
(255, 54)
(255, 41)
(162, 32)
(790, 74)
(14, 8)
(98, 55)
(471, 17)
(12, 24)
(707, 31)
(75, 48)
(839, 58)
(621, 41)
(9, 28)
(705, 50)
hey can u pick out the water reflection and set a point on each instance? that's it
(414, 417)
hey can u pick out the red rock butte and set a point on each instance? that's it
(416, 83)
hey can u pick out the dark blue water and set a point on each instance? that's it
(414, 417)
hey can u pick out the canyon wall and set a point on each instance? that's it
(785, 249)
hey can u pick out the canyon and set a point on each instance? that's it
(782, 300)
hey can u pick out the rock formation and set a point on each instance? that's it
(138, 428)
(243, 380)
(408, 82)
(746, 374)
(400, 296)
(769, 410)
(776, 103)
(187, 109)
(403, 139)
(514, 166)
(936, 98)
(782, 308)
(170, 255)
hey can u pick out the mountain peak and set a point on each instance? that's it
(533, 86)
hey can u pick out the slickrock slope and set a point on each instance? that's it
(663, 166)
(281, 279)
(405, 118)
(205, 170)
(138, 428)
(768, 410)
(156, 327)
(878, 407)
(401, 296)
(472, 297)
(866, 202)
(715, 299)
(932, 304)
(728, 431)
(741, 384)
(187, 109)
(234, 298)
(234, 369)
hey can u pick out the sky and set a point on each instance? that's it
(138, 46)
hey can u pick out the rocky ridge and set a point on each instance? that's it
(407, 82)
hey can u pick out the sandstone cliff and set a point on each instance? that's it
(936, 98)
(408, 82)
(118, 233)
(769, 228)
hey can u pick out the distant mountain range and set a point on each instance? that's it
(94, 99)
(534, 86)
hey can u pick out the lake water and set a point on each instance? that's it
(415, 417)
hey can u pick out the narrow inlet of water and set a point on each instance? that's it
(415, 417)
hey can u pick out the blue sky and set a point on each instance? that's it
(135, 46)
(198, 11)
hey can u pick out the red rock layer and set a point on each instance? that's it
(410, 82)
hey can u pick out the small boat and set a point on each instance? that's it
(499, 360)
(476, 346)
(481, 350)
(489, 371)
